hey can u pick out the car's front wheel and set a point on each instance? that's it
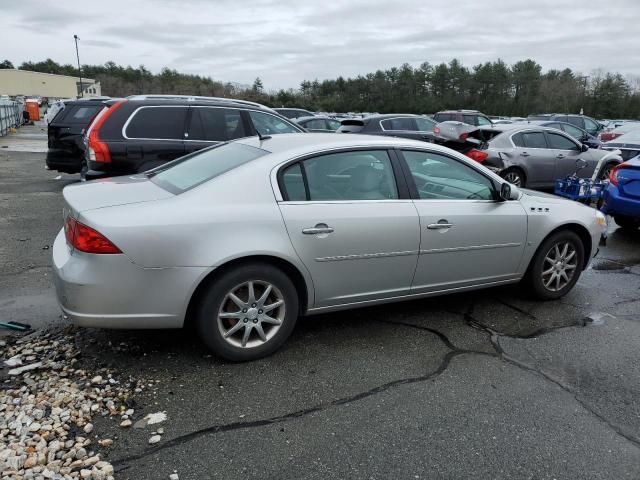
(248, 312)
(557, 265)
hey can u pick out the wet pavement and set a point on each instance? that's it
(481, 385)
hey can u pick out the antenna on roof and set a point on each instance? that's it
(261, 136)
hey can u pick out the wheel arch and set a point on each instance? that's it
(578, 229)
(294, 273)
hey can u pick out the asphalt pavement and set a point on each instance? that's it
(481, 385)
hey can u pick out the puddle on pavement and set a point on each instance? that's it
(596, 318)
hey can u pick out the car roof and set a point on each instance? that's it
(460, 111)
(295, 144)
(195, 100)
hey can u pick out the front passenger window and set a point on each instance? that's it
(438, 177)
(560, 142)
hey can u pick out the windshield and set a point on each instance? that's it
(188, 172)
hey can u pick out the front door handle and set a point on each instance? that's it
(441, 225)
(318, 229)
(560, 155)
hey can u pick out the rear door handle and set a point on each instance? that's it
(525, 154)
(318, 229)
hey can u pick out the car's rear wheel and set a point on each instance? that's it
(515, 177)
(248, 312)
(628, 223)
(557, 265)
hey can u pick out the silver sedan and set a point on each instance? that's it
(243, 238)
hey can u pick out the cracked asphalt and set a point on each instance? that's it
(482, 385)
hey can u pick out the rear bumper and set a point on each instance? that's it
(616, 204)
(64, 160)
(110, 291)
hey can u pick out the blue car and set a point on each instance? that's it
(622, 196)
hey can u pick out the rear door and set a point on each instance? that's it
(154, 135)
(212, 125)
(351, 225)
(534, 155)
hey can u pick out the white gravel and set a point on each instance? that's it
(46, 408)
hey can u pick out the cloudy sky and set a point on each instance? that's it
(287, 41)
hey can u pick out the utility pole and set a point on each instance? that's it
(76, 38)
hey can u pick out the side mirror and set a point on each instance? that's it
(584, 147)
(509, 192)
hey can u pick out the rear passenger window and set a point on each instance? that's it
(164, 123)
(361, 175)
(399, 124)
(215, 124)
(293, 183)
(534, 140)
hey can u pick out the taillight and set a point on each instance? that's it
(98, 150)
(436, 130)
(477, 155)
(86, 239)
(613, 176)
(463, 136)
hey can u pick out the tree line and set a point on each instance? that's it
(492, 87)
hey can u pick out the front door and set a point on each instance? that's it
(467, 236)
(566, 151)
(349, 226)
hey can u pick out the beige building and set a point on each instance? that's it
(23, 82)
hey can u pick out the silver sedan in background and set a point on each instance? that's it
(244, 237)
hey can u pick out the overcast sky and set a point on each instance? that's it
(287, 41)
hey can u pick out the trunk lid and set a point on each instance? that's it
(110, 192)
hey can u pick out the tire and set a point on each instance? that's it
(538, 279)
(515, 176)
(250, 317)
(627, 223)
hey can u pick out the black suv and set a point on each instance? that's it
(142, 132)
(592, 126)
(472, 117)
(65, 134)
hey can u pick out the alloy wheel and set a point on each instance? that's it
(513, 178)
(251, 314)
(559, 266)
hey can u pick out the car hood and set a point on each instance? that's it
(110, 192)
(541, 196)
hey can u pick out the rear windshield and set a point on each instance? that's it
(78, 114)
(188, 172)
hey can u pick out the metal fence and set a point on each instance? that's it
(10, 115)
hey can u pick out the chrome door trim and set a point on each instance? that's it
(339, 258)
(470, 247)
